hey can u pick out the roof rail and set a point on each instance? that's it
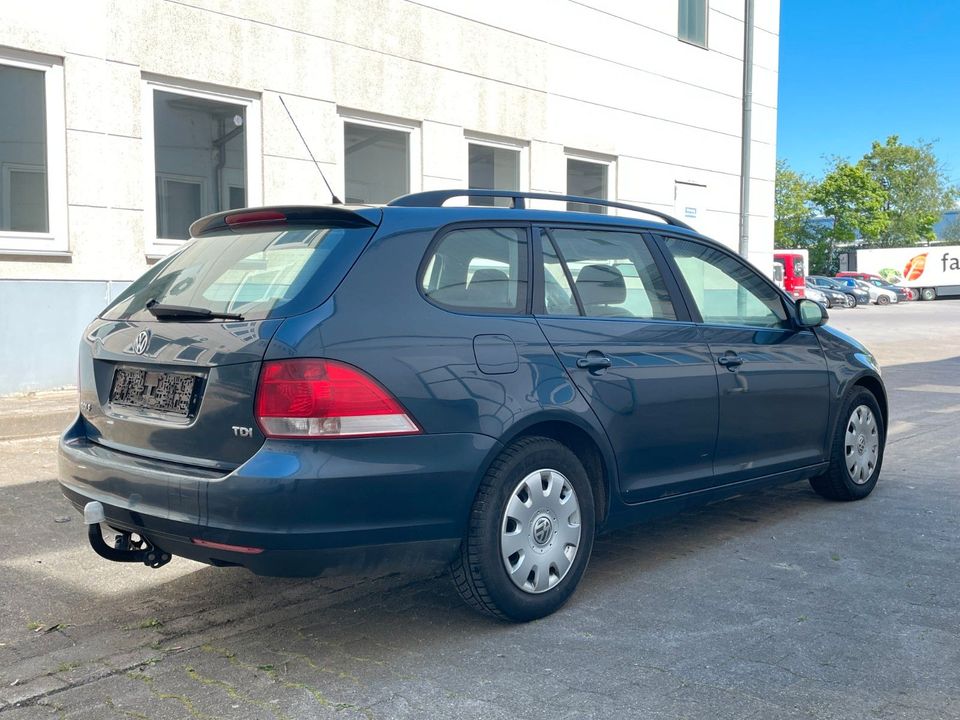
(436, 198)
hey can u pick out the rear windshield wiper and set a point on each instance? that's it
(183, 312)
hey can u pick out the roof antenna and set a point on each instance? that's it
(334, 199)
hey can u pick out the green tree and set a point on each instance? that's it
(854, 202)
(793, 209)
(916, 187)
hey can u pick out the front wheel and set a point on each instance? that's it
(851, 301)
(857, 451)
(530, 532)
(883, 300)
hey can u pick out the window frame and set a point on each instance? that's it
(55, 241)
(156, 247)
(381, 122)
(705, 45)
(675, 292)
(520, 147)
(609, 163)
(527, 307)
(693, 309)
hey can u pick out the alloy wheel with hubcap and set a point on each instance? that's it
(540, 532)
(530, 532)
(856, 453)
(862, 444)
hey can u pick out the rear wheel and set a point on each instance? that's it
(857, 451)
(928, 294)
(530, 533)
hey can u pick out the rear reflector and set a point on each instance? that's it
(254, 217)
(224, 546)
(311, 398)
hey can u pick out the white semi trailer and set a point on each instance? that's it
(933, 270)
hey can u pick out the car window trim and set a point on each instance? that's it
(788, 305)
(525, 311)
(673, 290)
(545, 233)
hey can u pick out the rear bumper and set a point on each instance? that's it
(309, 506)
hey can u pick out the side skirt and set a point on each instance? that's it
(629, 514)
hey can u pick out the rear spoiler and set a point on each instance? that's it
(281, 215)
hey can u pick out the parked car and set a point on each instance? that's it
(858, 275)
(878, 295)
(903, 294)
(309, 389)
(813, 293)
(855, 295)
(833, 298)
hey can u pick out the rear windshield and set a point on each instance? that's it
(264, 274)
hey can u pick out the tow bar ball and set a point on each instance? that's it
(126, 548)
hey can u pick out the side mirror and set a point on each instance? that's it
(810, 314)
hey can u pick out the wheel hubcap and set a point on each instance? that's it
(861, 444)
(540, 531)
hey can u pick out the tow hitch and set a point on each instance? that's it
(128, 547)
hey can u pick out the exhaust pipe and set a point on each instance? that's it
(126, 549)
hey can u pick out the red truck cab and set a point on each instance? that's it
(794, 280)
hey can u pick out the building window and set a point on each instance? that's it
(32, 156)
(692, 26)
(377, 162)
(493, 167)
(587, 179)
(204, 147)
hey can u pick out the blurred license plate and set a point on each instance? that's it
(160, 391)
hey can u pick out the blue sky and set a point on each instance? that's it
(856, 71)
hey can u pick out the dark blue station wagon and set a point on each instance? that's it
(305, 389)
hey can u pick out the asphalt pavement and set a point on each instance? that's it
(775, 604)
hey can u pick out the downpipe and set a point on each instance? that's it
(127, 549)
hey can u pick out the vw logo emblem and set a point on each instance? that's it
(542, 530)
(143, 341)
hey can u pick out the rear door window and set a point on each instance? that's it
(267, 273)
(478, 269)
(613, 275)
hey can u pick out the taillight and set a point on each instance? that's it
(311, 398)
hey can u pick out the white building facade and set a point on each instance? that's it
(122, 121)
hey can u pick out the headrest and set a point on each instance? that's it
(489, 288)
(486, 275)
(601, 285)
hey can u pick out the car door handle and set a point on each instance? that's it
(730, 361)
(594, 362)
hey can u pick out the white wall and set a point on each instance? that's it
(599, 77)
(602, 80)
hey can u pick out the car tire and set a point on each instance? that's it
(857, 451)
(851, 301)
(928, 294)
(883, 300)
(536, 500)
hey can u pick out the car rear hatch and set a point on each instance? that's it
(170, 369)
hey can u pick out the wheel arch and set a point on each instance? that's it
(592, 450)
(875, 386)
